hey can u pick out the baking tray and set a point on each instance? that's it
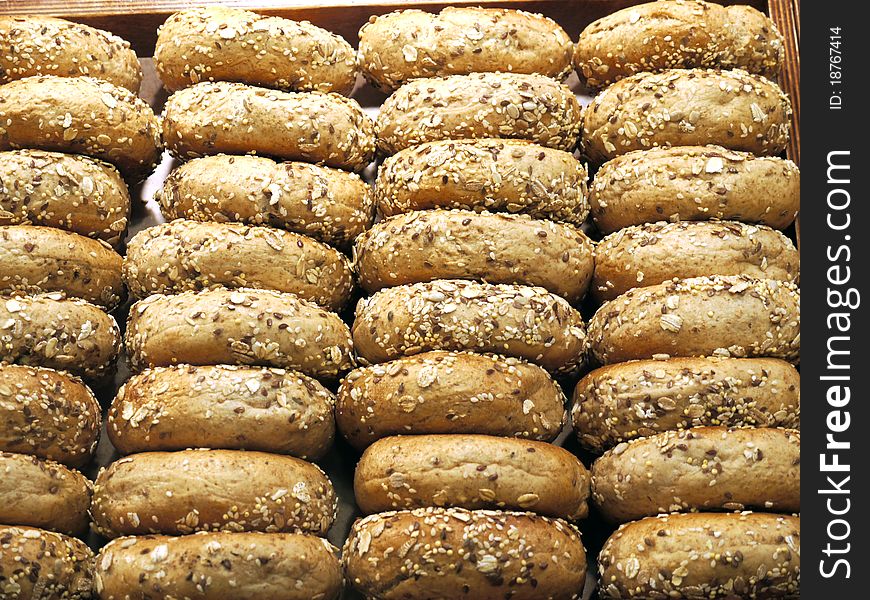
(137, 21)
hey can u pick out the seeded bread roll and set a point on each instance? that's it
(452, 314)
(683, 34)
(488, 174)
(695, 183)
(490, 558)
(480, 105)
(234, 118)
(187, 255)
(245, 326)
(66, 191)
(682, 107)
(408, 44)
(653, 253)
(48, 414)
(44, 259)
(640, 398)
(243, 408)
(211, 490)
(81, 115)
(36, 45)
(44, 494)
(215, 566)
(41, 564)
(449, 392)
(329, 205)
(229, 44)
(471, 471)
(732, 316)
(754, 555)
(703, 468)
(52, 331)
(460, 244)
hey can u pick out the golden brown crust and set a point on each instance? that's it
(682, 107)
(449, 392)
(41, 564)
(500, 175)
(66, 191)
(241, 408)
(34, 260)
(459, 244)
(695, 183)
(217, 565)
(48, 414)
(640, 398)
(653, 253)
(37, 45)
(439, 553)
(44, 494)
(211, 490)
(81, 115)
(244, 326)
(683, 34)
(480, 105)
(732, 316)
(188, 255)
(756, 555)
(471, 471)
(452, 314)
(52, 331)
(699, 469)
(330, 205)
(217, 43)
(234, 118)
(409, 44)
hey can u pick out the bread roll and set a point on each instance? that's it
(244, 326)
(515, 320)
(449, 392)
(439, 553)
(487, 174)
(703, 468)
(639, 398)
(480, 105)
(471, 471)
(214, 566)
(187, 255)
(234, 118)
(754, 555)
(37, 45)
(81, 115)
(244, 408)
(41, 564)
(692, 107)
(665, 35)
(44, 494)
(409, 44)
(66, 191)
(211, 490)
(44, 259)
(653, 253)
(695, 183)
(217, 43)
(48, 414)
(459, 244)
(52, 331)
(330, 205)
(734, 316)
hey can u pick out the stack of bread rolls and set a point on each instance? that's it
(695, 403)
(73, 129)
(475, 271)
